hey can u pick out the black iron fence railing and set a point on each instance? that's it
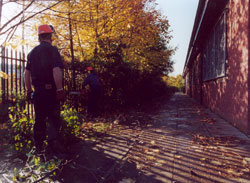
(12, 87)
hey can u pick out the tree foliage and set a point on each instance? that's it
(111, 29)
(126, 41)
(175, 81)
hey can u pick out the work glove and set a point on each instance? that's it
(61, 95)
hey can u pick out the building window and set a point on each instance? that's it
(214, 65)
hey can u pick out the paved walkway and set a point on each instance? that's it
(183, 143)
(188, 143)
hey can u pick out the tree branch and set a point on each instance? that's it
(24, 20)
(20, 13)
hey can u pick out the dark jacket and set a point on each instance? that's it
(41, 61)
(93, 81)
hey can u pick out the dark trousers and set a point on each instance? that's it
(47, 108)
(93, 103)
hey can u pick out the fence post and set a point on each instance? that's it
(7, 72)
(16, 72)
(23, 62)
(11, 73)
(3, 69)
(20, 73)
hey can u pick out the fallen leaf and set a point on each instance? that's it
(233, 154)
(150, 157)
(218, 163)
(139, 166)
(149, 152)
(156, 150)
(178, 156)
(195, 147)
(152, 142)
(247, 160)
(246, 170)
(158, 164)
(234, 172)
(244, 162)
(125, 180)
(161, 161)
(198, 150)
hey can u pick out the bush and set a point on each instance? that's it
(21, 128)
(123, 84)
(70, 124)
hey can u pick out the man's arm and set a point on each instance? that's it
(27, 80)
(58, 77)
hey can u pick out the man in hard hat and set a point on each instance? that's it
(95, 91)
(44, 72)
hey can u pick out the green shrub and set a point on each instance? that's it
(21, 128)
(70, 123)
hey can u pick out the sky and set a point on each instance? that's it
(181, 15)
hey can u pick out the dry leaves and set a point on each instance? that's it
(217, 163)
(127, 180)
(227, 141)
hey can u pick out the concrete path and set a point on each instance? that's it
(188, 143)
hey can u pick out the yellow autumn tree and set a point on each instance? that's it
(105, 28)
(126, 40)
(175, 81)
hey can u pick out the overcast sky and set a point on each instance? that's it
(181, 14)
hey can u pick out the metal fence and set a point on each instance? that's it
(12, 87)
(13, 64)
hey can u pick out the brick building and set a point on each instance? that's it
(216, 70)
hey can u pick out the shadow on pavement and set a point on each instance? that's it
(95, 163)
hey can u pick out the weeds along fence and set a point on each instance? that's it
(12, 88)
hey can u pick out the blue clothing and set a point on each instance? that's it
(95, 92)
(93, 81)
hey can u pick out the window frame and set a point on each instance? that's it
(215, 51)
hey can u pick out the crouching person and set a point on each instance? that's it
(95, 92)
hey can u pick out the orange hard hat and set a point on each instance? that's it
(45, 29)
(89, 68)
